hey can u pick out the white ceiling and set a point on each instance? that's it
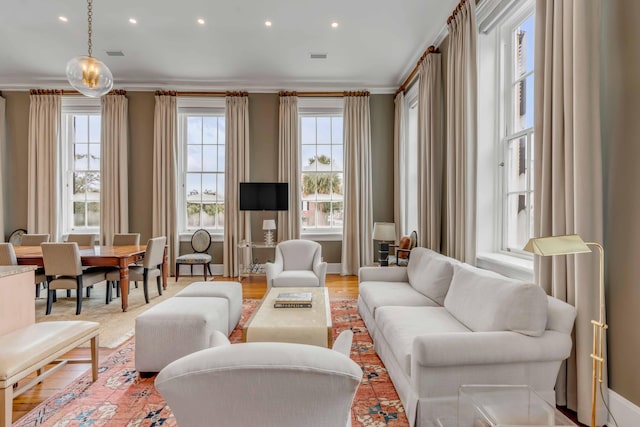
(375, 46)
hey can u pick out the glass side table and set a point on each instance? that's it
(504, 406)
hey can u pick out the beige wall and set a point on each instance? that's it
(263, 131)
(621, 140)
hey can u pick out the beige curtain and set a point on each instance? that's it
(236, 170)
(114, 182)
(459, 235)
(430, 122)
(357, 246)
(45, 116)
(568, 173)
(399, 131)
(3, 143)
(289, 166)
(165, 149)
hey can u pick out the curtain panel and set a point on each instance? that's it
(237, 226)
(3, 143)
(289, 166)
(430, 146)
(114, 181)
(165, 149)
(459, 216)
(568, 175)
(45, 116)
(399, 143)
(357, 246)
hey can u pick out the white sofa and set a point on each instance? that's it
(438, 324)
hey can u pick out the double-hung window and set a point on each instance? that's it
(321, 165)
(409, 164)
(80, 163)
(201, 159)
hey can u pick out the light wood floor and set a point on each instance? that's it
(253, 287)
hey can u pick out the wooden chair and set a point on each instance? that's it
(82, 239)
(200, 243)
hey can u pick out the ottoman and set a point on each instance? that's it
(231, 291)
(177, 327)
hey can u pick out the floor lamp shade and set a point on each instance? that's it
(573, 244)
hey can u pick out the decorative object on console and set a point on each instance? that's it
(568, 245)
(88, 75)
(385, 232)
(268, 225)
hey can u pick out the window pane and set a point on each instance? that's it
(524, 46)
(79, 184)
(221, 130)
(94, 128)
(194, 158)
(324, 157)
(193, 214)
(517, 221)
(220, 215)
(337, 187)
(523, 104)
(323, 130)
(93, 214)
(337, 157)
(81, 125)
(308, 158)
(94, 157)
(517, 165)
(193, 187)
(210, 125)
(194, 130)
(208, 215)
(208, 187)
(309, 186)
(81, 156)
(336, 130)
(337, 212)
(220, 190)
(308, 130)
(209, 159)
(78, 214)
(221, 158)
(92, 181)
(531, 163)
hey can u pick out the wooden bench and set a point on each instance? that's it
(31, 348)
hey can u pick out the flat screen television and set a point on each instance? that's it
(264, 196)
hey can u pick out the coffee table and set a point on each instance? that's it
(293, 325)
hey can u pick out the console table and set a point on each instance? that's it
(246, 262)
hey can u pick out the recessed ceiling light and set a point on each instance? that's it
(267, 23)
(63, 18)
(334, 24)
(200, 21)
(133, 20)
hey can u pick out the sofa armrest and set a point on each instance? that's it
(479, 348)
(272, 269)
(383, 274)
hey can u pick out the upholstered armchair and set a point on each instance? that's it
(265, 384)
(297, 263)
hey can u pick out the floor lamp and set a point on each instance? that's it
(573, 244)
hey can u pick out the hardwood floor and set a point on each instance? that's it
(252, 287)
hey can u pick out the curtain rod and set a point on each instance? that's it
(403, 86)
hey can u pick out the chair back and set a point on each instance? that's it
(279, 384)
(154, 254)
(298, 254)
(82, 239)
(61, 259)
(200, 241)
(7, 254)
(34, 239)
(126, 239)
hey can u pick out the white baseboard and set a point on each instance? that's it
(626, 413)
(334, 267)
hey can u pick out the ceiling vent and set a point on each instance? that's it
(318, 56)
(115, 53)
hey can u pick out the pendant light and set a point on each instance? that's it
(86, 74)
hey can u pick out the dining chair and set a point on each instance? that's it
(151, 267)
(35, 240)
(63, 268)
(7, 254)
(200, 243)
(82, 239)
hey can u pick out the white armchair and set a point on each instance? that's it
(298, 263)
(261, 384)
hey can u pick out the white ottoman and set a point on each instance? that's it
(177, 327)
(231, 291)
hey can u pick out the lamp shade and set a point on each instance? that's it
(269, 224)
(384, 231)
(557, 245)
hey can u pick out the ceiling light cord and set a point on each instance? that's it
(89, 22)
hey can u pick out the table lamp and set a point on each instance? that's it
(573, 244)
(385, 232)
(268, 225)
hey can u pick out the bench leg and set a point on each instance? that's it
(6, 406)
(94, 358)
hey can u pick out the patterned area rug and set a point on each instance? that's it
(121, 398)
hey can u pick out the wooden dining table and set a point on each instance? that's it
(100, 256)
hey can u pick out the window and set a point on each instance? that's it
(409, 162)
(80, 159)
(321, 166)
(202, 161)
(517, 144)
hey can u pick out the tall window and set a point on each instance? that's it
(81, 163)
(409, 164)
(518, 43)
(202, 142)
(322, 178)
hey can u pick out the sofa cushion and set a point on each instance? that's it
(430, 273)
(487, 301)
(400, 325)
(380, 294)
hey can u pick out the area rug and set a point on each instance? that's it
(121, 398)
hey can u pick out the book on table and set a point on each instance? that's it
(292, 305)
(293, 300)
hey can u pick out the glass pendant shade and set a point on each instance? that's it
(89, 76)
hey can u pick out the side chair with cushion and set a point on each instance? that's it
(35, 240)
(297, 263)
(63, 268)
(265, 384)
(7, 254)
(200, 243)
(82, 239)
(151, 267)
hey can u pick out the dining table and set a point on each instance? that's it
(101, 256)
